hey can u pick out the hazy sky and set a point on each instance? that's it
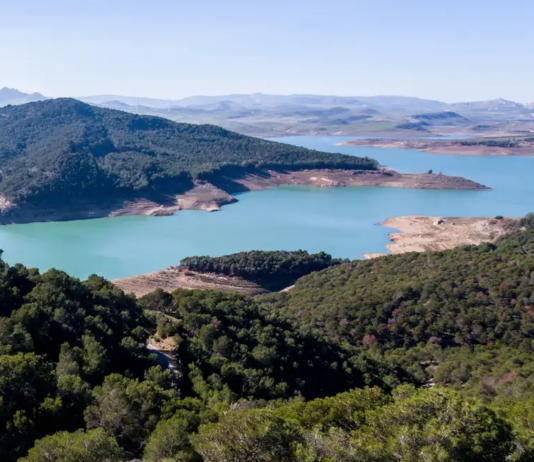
(451, 50)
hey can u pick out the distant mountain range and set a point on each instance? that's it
(13, 96)
(277, 115)
(401, 104)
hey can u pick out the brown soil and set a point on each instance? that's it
(423, 234)
(342, 178)
(205, 196)
(174, 278)
(446, 147)
(167, 344)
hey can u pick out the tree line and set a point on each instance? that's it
(273, 270)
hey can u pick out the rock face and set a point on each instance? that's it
(205, 196)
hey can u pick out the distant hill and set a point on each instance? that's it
(491, 109)
(129, 100)
(64, 149)
(12, 96)
(267, 115)
(489, 105)
(441, 118)
(419, 126)
(391, 104)
(379, 103)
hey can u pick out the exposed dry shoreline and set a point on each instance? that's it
(206, 196)
(417, 234)
(424, 233)
(446, 147)
(174, 278)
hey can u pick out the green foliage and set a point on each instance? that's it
(93, 446)
(60, 337)
(490, 372)
(129, 410)
(171, 441)
(434, 425)
(411, 425)
(274, 270)
(243, 436)
(281, 377)
(521, 415)
(233, 350)
(466, 296)
(63, 149)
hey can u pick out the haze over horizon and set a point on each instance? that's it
(171, 50)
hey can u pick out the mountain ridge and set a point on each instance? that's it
(13, 96)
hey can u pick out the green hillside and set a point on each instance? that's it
(475, 295)
(408, 357)
(63, 149)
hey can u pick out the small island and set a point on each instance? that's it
(499, 146)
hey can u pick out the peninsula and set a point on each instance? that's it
(500, 146)
(251, 273)
(63, 159)
(426, 233)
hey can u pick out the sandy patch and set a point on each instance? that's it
(174, 278)
(424, 233)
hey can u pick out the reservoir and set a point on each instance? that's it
(340, 221)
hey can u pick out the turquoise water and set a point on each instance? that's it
(341, 221)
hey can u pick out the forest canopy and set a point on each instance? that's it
(63, 148)
(273, 270)
(407, 357)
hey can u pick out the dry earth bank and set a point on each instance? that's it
(206, 196)
(423, 233)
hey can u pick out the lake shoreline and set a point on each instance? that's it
(450, 147)
(211, 196)
(418, 233)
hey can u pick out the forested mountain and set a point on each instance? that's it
(64, 149)
(407, 357)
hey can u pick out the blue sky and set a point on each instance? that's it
(452, 50)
